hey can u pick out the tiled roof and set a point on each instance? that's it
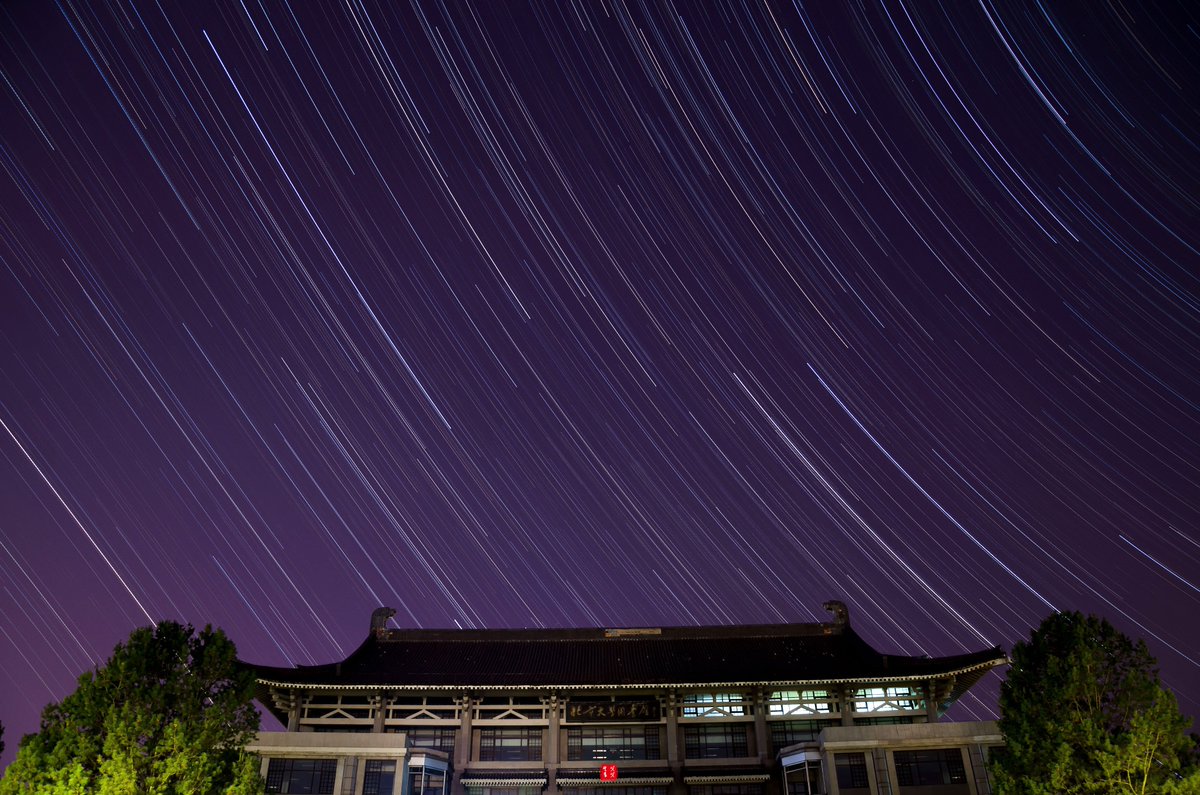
(581, 658)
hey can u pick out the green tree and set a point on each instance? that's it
(170, 712)
(1083, 711)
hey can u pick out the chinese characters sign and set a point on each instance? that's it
(646, 709)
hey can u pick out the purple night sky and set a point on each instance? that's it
(593, 313)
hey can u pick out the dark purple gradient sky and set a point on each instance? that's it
(595, 313)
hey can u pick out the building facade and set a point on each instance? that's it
(795, 709)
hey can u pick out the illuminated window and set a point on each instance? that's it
(613, 742)
(801, 702)
(888, 699)
(713, 705)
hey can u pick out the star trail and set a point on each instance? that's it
(595, 313)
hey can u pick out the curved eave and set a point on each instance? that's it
(966, 678)
(978, 669)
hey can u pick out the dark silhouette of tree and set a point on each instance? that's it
(1083, 711)
(170, 712)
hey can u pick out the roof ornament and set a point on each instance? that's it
(379, 619)
(841, 615)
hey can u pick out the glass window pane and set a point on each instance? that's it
(851, 771)
(715, 741)
(931, 767)
(301, 776)
(424, 781)
(799, 702)
(725, 789)
(805, 779)
(379, 777)
(888, 699)
(613, 742)
(790, 732)
(440, 739)
(510, 745)
(713, 705)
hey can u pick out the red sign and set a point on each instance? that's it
(608, 772)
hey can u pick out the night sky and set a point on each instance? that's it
(586, 313)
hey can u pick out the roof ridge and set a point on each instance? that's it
(612, 633)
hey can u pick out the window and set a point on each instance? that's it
(613, 742)
(886, 720)
(436, 739)
(611, 790)
(379, 777)
(504, 790)
(801, 702)
(715, 741)
(888, 699)
(725, 789)
(510, 745)
(713, 705)
(511, 707)
(805, 779)
(425, 781)
(337, 712)
(851, 771)
(332, 705)
(929, 767)
(790, 732)
(428, 708)
(308, 776)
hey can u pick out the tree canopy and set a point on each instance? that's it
(170, 712)
(1083, 711)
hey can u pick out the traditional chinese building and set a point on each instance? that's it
(747, 710)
